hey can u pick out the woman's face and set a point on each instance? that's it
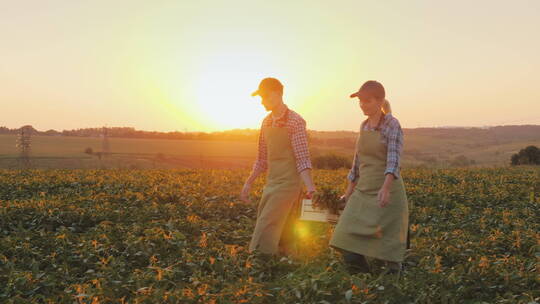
(370, 105)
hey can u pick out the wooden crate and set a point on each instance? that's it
(310, 213)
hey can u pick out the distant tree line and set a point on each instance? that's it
(345, 139)
(128, 132)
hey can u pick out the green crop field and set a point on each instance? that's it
(180, 236)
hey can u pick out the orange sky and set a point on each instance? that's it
(191, 65)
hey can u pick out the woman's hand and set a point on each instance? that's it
(343, 201)
(383, 197)
(244, 195)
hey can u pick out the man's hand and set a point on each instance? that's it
(383, 197)
(310, 193)
(308, 181)
(244, 195)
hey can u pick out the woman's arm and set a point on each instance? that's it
(353, 175)
(350, 189)
(394, 143)
(384, 194)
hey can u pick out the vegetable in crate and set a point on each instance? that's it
(329, 199)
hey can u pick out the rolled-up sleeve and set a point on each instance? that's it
(261, 164)
(300, 145)
(394, 139)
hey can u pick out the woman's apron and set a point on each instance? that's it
(364, 227)
(280, 201)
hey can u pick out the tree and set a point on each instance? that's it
(527, 156)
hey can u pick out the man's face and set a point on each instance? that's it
(269, 100)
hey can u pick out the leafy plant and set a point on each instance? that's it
(328, 198)
(181, 236)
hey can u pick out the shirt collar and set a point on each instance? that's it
(383, 119)
(283, 115)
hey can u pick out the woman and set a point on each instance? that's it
(375, 220)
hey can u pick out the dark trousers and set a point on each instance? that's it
(408, 238)
(355, 262)
(358, 263)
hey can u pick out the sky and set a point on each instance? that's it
(191, 65)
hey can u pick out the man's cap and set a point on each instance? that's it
(370, 88)
(268, 85)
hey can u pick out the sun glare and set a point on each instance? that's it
(224, 86)
(302, 230)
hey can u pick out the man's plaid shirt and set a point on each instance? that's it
(392, 137)
(296, 127)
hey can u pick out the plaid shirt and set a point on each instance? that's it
(392, 137)
(296, 127)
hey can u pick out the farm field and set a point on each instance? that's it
(68, 152)
(431, 150)
(67, 146)
(180, 236)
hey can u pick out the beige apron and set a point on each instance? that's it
(280, 201)
(364, 227)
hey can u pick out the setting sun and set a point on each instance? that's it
(224, 82)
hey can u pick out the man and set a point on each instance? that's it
(283, 151)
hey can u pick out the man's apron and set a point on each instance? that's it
(364, 227)
(280, 201)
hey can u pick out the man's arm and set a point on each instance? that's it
(260, 166)
(308, 181)
(302, 157)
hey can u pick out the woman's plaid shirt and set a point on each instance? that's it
(392, 137)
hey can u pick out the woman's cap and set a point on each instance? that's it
(268, 85)
(370, 88)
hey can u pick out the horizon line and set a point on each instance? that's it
(255, 129)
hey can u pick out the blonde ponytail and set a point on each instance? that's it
(386, 107)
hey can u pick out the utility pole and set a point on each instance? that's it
(105, 146)
(24, 143)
